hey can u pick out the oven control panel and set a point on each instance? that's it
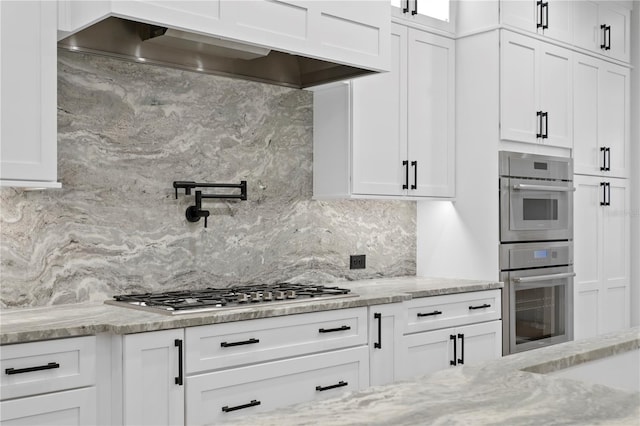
(535, 255)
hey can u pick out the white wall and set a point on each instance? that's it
(635, 164)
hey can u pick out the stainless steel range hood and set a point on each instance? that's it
(152, 44)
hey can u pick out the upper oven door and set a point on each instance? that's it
(535, 210)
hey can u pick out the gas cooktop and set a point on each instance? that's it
(215, 299)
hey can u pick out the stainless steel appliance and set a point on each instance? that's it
(536, 250)
(537, 300)
(536, 197)
(215, 299)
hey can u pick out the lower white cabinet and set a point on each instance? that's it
(386, 323)
(227, 394)
(601, 256)
(427, 352)
(49, 383)
(153, 378)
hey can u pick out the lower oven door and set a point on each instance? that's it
(538, 308)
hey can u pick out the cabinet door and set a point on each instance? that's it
(556, 95)
(587, 157)
(379, 120)
(424, 353)
(74, 407)
(431, 120)
(558, 17)
(521, 14)
(479, 342)
(613, 117)
(151, 394)
(616, 273)
(28, 126)
(518, 88)
(618, 34)
(588, 261)
(386, 326)
(586, 27)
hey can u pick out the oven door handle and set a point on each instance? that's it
(543, 277)
(543, 187)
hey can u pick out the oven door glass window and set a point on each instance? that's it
(539, 210)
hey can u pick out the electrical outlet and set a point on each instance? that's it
(358, 261)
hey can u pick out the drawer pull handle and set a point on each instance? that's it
(337, 385)
(486, 305)
(429, 314)
(244, 342)
(253, 403)
(49, 366)
(331, 330)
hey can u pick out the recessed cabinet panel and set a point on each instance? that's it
(587, 32)
(614, 118)
(521, 14)
(288, 19)
(73, 407)
(586, 79)
(556, 95)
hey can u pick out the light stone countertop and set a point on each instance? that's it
(32, 324)
(506, 391)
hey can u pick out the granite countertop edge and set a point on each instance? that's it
(23, 325)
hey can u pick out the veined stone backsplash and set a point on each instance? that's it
(126, 131)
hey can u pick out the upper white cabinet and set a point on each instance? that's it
(390, 134)
(349, 32)
(432, 13)
(28, 87)
(603, 27)
(601, 117)
(602, 259)
(551, 18)
(536, 103)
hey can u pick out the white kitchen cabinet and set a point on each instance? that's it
(536, 99)
(601, 117)
(603, 27)
(386, 324)
(551, 18)
(449, 330)
(153, 378)
(352, 32)
(428, 352)
(49, 382)
(602, 255)
(28, 87)
(439, 14)
(390, 135)
(228, 394)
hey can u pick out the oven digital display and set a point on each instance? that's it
(540, 254)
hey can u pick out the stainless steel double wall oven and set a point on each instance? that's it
(536, 250)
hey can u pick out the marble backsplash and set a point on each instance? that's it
(126, 131)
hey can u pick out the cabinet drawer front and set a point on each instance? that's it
(47, 366)
(229, 394)
(431, 313)
(226, 345)
(74, 407)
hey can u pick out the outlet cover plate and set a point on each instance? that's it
(358, 261)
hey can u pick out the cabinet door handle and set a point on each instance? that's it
(337, 385)
(603, 45)
(414, 164)
(331, 330)
(603, 150)
(608, 34)
(608, 203)
(49, 366)
(378, 344)
(545, 134)
(485, 305)
(539, 12)
(429, 314)
(178, 344)
(608, 166)
(405, 9)
(603, 185)
(253, 403)
(539, 132)
(461, 359)
(415, 7)
(244, 342)
(405, 164)
(545, 6)
(455, 350)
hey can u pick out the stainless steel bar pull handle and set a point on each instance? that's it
(543, 277)
(530, 187)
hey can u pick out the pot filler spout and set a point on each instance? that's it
(141, 42)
